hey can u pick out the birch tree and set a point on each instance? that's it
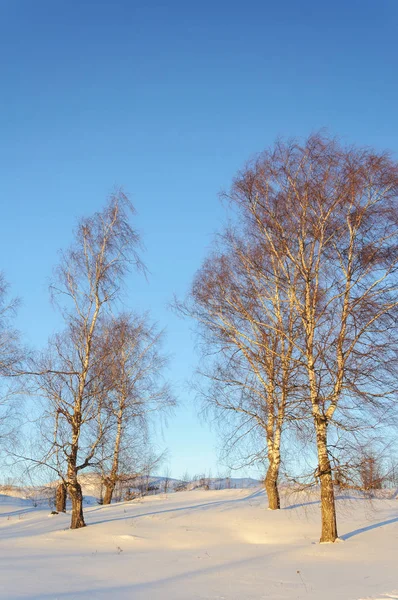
(329, 215)
(11, 356)
(86, 287)
(247, 322)
(137, 395)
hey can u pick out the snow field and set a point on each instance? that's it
(199, 545)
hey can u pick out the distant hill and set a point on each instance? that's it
(131, 486)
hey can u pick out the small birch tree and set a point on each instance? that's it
(137, 393)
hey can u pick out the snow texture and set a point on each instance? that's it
(191, 545)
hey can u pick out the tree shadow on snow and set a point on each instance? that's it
(145, 586)
(21, 511)
(339, 497)
(351, 534)
(300, 504)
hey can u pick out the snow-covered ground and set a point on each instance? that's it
(199, 545)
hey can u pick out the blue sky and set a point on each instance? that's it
(168, 100)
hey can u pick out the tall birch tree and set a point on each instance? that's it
(86, 287)
(329, 216)
(248, 322)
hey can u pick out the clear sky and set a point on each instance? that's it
(168, 100)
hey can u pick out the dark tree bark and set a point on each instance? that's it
(328, 505)
(328, 508)
(109, 489)
(271, 487)
(75, 492)
(60, 498)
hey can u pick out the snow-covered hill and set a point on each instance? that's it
(91, 484)
(93, 489)
(199, 545)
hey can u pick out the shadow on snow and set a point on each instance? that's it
(351, 534)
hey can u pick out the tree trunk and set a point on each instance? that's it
(109, 489)
(271, 485)
(328, 505)
(75, 492)
(110, 481)
(274, 431)
(60, 498)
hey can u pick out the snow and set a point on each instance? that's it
(216, 544)
(91, 483)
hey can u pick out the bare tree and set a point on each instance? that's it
(11, 356)
(391, 476)
(86, 286)
(329, 216)
(60, 497)
(166, 480)
(137, 393)
(371, 473)
(248, 329)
